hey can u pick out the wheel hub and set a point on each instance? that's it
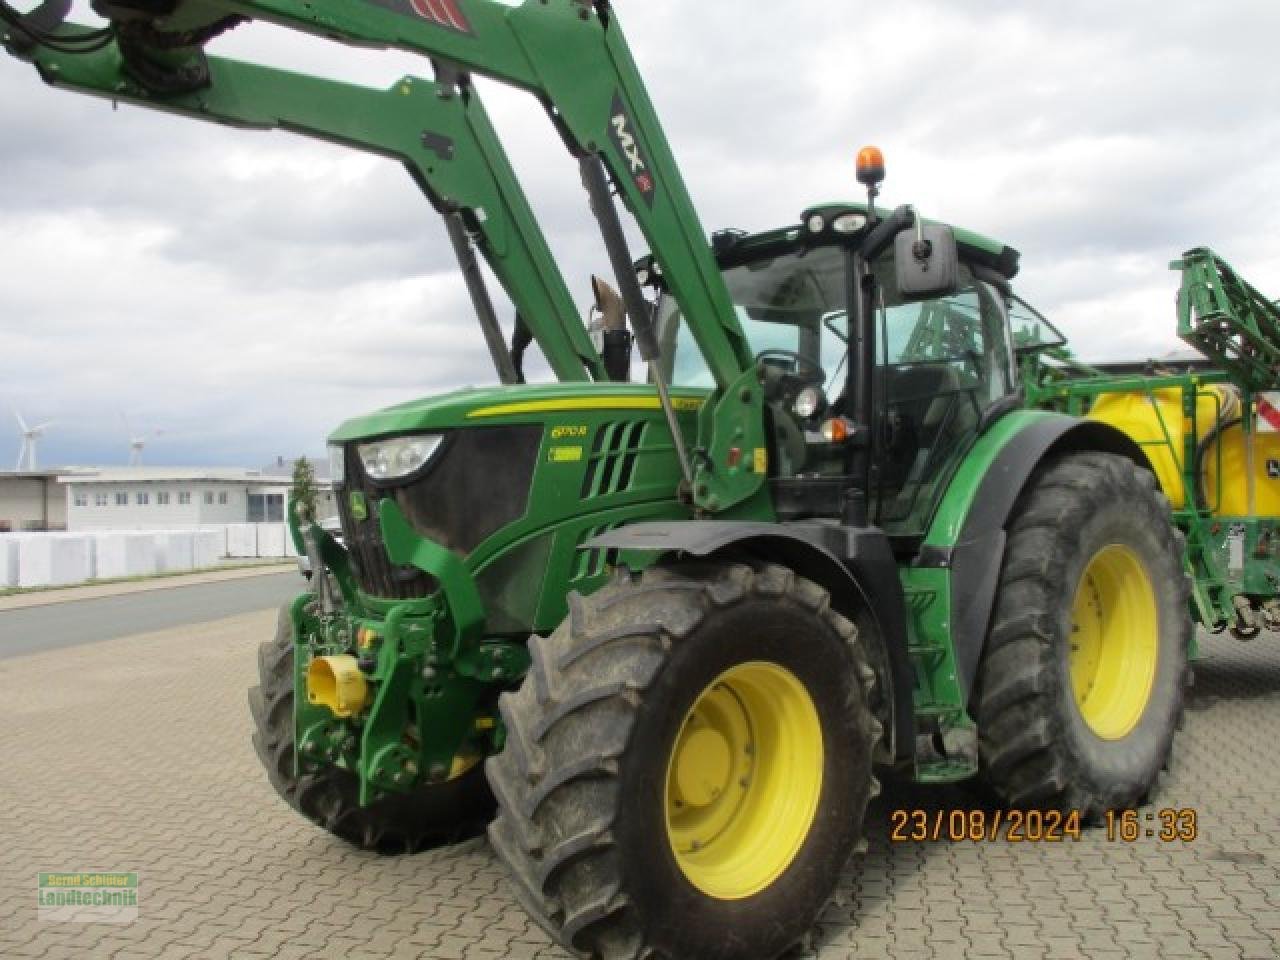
(743, 780)
(703, 765)
(1115, 632)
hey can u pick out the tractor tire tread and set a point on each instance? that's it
(556, 807)
(1021, 747)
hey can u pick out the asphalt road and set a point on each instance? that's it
(56, 625)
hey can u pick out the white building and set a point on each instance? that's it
(34, 499)
(168, 498)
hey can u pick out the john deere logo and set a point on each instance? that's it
(622, 133)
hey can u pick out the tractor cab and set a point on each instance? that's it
(944, 367)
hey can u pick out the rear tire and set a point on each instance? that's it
(431, 816)
(633, 818)
(1081, 685)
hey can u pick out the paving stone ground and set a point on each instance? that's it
(134, 755)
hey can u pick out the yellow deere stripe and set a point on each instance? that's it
(569, 404)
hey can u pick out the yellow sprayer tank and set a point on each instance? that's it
(1148, 416)
(1233, 499)
(1154, 419)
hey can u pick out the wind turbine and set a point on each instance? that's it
(137, 441)
(27, 452)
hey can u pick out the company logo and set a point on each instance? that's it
(443, 13)
(84, 897)
(622, 133)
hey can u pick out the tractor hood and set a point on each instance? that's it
(491, 406)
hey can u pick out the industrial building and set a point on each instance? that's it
(169, 498)
(34, 499)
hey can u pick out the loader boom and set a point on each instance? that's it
(570, 54)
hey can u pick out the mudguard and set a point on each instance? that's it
(977, 553)
(855, 565)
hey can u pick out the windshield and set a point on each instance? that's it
(794, 303)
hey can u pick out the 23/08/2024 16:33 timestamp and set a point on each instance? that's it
(1167, 825)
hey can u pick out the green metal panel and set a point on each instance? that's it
(937, 698)
(944, 531)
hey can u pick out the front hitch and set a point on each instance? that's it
(399, 691)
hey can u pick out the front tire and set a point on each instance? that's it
(687, 765)
(1081, 685)
(432, 815)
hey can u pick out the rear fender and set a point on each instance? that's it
(976, 554)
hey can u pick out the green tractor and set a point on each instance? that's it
(670, 630)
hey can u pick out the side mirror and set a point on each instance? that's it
(926, 261)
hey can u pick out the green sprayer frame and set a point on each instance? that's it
(1238, 330)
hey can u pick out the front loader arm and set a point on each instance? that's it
(441, 135)
(571, 55)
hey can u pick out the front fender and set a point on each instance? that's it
(855, 565)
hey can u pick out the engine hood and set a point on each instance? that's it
(493, 406)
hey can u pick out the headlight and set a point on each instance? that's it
(809, 402)
(397, 457)
(337, 465)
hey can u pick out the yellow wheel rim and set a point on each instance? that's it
(743, 780)
(1115, 632)
(463, 763)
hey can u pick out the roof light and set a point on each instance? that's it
(849, 223)
(870, 166)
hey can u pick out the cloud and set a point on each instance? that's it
(248, 291)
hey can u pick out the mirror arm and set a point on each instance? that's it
(878, 240)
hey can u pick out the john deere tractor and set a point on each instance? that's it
(670, 629)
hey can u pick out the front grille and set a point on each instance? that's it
(477, 483)
(613, 458)
(372, 569)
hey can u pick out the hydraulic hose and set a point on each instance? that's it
(1228, 417)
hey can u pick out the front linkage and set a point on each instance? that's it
(399, 692)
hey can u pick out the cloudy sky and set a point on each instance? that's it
(245, 292)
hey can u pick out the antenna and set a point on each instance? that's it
(27, 459)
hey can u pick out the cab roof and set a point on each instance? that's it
(735, 247)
